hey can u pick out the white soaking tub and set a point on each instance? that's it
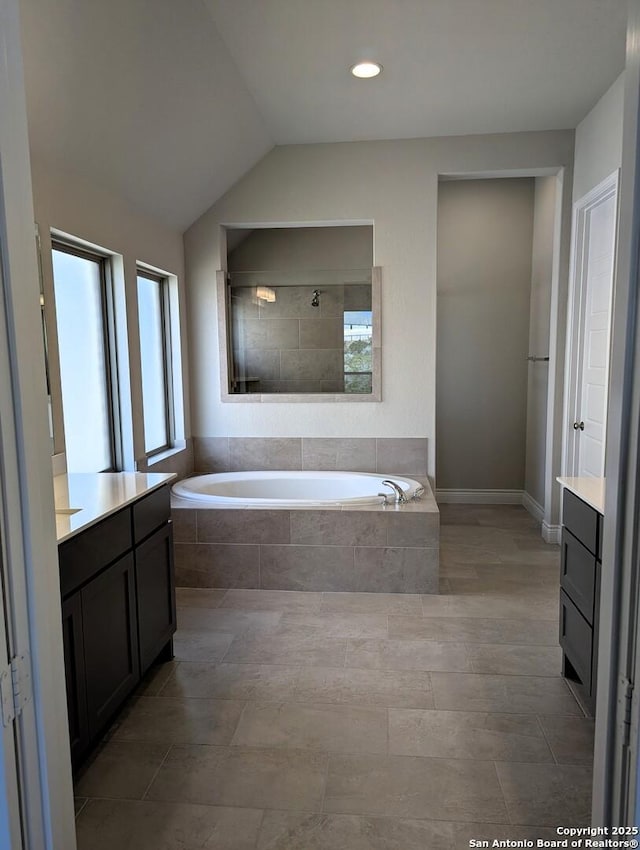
(285, 489)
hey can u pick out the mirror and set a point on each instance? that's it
(301, 309)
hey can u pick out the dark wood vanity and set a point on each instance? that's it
(118, 610)
(581, 566)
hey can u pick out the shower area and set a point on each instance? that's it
(300, 310)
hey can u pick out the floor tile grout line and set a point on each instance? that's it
(83, 806)
(256, 843)
(325, 784)
(504, 796)
(155, 775)
(544, 735)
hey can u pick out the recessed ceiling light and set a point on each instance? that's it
(366, 70)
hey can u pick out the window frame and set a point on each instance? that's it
(111, 388)
(167, 360)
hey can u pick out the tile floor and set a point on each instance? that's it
(346, 721)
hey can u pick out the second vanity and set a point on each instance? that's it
(115, 551)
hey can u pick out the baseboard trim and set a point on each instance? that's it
(479, 497)
(535, 508)
(551, 533)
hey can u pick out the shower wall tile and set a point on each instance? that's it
(339, 453)
(211, 454)
(357, 296)
(321, 332)
(269, 333)
(405, 455)
(217, 565)
(291, 302)
(332, 300)
(243, 526)
(312, 364)
(260, 363)
(259, 453)
(301, 387)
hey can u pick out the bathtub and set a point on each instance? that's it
(283, 489)
(316, 531)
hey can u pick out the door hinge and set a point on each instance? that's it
(15, 688)
(627, 697)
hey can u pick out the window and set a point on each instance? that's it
(84, 316)
(155, 357)
(358, 349)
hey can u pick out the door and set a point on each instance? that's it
(595, 221)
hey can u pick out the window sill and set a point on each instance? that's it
(176, 449)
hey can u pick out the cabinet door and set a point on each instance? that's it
(576, 640)
(110, 641)
(155, 590)
(74, 676)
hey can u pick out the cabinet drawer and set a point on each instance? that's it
(150, 513)
(576, 640)
(90, 551)
(581, 520)
(578, 574)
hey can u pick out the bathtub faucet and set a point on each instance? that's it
(400, 496)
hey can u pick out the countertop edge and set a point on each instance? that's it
(590, 490)
(94, 517)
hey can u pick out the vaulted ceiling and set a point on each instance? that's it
(169, 102)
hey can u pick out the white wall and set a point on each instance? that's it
(67, 203)
(539, 338)
(394, 184)
(485, 230)
(598, 150)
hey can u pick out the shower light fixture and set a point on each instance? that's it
(265, 293)
(366, 70)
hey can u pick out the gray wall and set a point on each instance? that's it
(485, 230)
(299, 248)
(540, 315)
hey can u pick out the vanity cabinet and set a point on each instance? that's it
(580, 595)
(118, 610)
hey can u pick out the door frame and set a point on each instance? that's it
(582, 209)
(32, 583)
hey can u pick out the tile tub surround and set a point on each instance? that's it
(356, 731)
(388, 455)
(378, 549)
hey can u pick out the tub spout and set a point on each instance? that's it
(400, 496)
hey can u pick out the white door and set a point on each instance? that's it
(595, 220)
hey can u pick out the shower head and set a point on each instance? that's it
(315, 301)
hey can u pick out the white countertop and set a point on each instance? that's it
(98, 494)
(590, 490)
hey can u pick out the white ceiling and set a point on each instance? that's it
(169, 102)
(451, 67)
